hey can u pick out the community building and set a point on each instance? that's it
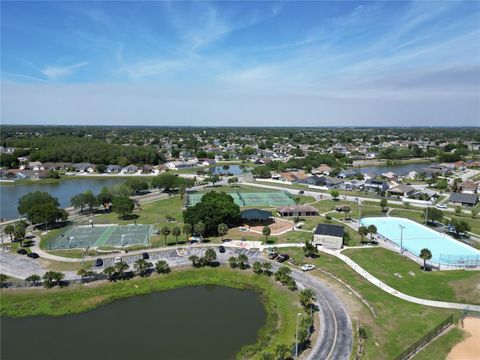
(256, 216)
(298, 210)
(330, 236)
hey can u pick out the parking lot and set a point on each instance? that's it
(179, 257)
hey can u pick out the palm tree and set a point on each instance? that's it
(142, 267)
(120, 268)
(165, 231)
(200, 229)
(372, 230)
(267, 268)
(266, 231)
(383, 204)
(425, 254)
(232, 260)
(306, 297)
(210, 255)
(82, 273)
(3, 280)
(194, 259)
(10, 230)
(222, 230)
(19, 232)
(187, 230)
(109, 272)
(363, 231)
(257, 267)
(58, 277)
(33, 279)
(242, 260)
(162, 267)
(176, 232)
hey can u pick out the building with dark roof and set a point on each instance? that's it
(330, 236)
(463, 199)
(255, 215)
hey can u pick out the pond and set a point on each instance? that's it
(202, 322)
(230, 169)
(63, 190)
(400, 169)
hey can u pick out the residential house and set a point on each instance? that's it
(463, 199)
(30, 174)
(113, 169)
(402, 190)
(375, 185)
(468, 187)
(83, 167)
(34, 165)
(347, 173)
(177, 165)
(130, 169)
(323, 169)
(206, 162)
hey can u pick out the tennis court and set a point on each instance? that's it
(271, 198)
(102, 235)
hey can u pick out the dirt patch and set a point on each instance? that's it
(467, 290)
(468, 349)
(277, 227)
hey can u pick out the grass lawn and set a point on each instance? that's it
(280, 303)
(454, 286)
(439, 348)
(397, 323)
(409, 214)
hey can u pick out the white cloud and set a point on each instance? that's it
(56, 72)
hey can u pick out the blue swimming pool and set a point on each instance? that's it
(445, 249)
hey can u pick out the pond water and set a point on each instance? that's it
(62, 190)
(401, 169)
(203, 322)
(231, 169)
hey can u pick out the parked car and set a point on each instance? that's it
(282, 257)
(307, 267)
(22, 251)
(272, 255)
(441, 206)
(33, 255)
(221, 248)
(117, 260)
(145, 256)
(301, 192)
(98, 262)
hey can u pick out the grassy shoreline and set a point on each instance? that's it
(280, 304)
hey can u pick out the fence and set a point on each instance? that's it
(412, 349)
(466, 261)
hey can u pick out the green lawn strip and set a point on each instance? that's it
(440, 347)
(454, 286)
(409, 214)
(281, 304)
(397, 324)
(102, 239)
(47, 241)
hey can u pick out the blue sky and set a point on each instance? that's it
(263, 63)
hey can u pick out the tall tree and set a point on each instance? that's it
(187, 230)
(176, 231)
(266, 231)
(123, 206)
(425, 254)
(222, 230)
(165, 231)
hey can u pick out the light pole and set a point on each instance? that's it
(401, 238)
(296, 336)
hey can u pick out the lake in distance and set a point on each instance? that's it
(193, 323)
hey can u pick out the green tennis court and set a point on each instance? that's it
(270, 198)
(102, 235)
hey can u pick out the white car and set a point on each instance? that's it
(441, 206)
(117, 260)
(307, 267)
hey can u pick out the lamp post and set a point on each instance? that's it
(296, 336)
(401, 238)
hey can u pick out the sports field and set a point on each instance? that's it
(102, 235)
(271, 198)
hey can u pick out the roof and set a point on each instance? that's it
(402, 188)
(330, 230)
(299, 208)
(255, 214)
(464, 198)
